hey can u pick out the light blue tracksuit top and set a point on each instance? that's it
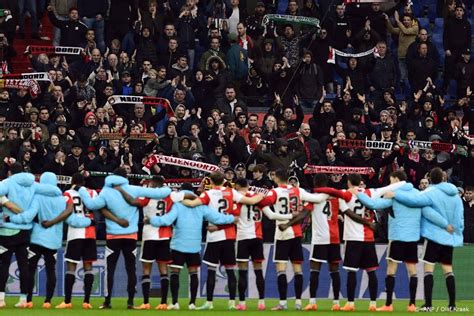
(47, 208)
(405, 225)
(445, 200)
(113, 201)
(187, 232)
(20, 189)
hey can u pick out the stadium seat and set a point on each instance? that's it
(424, 23)
(432, 14)
(438, 26)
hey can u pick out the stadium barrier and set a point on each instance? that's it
(463, 261)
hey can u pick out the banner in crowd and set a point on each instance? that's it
(49, 49)
(8, 124)
(365, 1)
(38, 76)
(32, 86)
(370, 144)
(290, 19)
(310, 169)
(180, 162)
(334, 52)
(464, 257)
(131, 136)
(384, 145)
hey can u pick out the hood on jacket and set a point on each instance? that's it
(222, 64)
(23, 178)
(406, 187)
(49, 178)
(447, 188)
(89, 114)
(114, 180)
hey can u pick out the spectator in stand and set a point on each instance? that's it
(30, 7)
(407, 29)
(456, 39)
(468, 201)
(93, 15)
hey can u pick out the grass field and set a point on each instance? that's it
(220, 308)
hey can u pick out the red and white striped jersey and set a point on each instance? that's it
(156, 208)
(325, 221)
(287, 199)
(222, 199)
(250, 220)
(355, 231)
(72, 196)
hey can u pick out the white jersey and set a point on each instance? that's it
(156, 208)
(325, 221)
(359, 232)
(223, 200)
(72, 196)
(287, 199)
(250, 220)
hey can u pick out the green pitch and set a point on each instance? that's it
(220, 308)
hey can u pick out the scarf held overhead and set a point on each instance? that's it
(49, 49)
(32, 86)
(290, 19)
(38, 76)
(175, 161)
(311, 169)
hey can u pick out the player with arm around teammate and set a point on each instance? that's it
(220, 242)
(287, 199)
(186, 241)
(325, 243)
(440, 240)
(250, 243)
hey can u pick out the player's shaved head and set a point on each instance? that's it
(241, 182)
(281, 175)
(77, 179)
(320, 180)
(399, 174)
(436, 175)
(354, 179)
(217, 178)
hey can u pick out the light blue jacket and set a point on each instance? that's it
(47, 208)
(187, 232)
(405, 225)
(444, 199)
(20, 189)
(113, 201)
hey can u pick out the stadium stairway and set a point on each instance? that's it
(21, 63)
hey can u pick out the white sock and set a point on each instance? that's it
(22, 298)
(350, 303)
(283, 303)
(335, 302)
(312, 300)
(373, 303)
(209, 302)
(298, 302)
(242, 303)
(2, 296)
(261, 302)
(231, 302)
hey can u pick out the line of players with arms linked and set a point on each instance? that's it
(34, 213)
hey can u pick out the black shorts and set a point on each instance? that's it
(250, 248)
(360, 255)
(326, 253)
(22, 238)
(81, 249)
(178, 259)
(288, 250)
(222, 252)
(155, 250)
(434, 252)
(401, 251)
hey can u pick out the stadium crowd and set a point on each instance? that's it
(216, 62)
(383, 91)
